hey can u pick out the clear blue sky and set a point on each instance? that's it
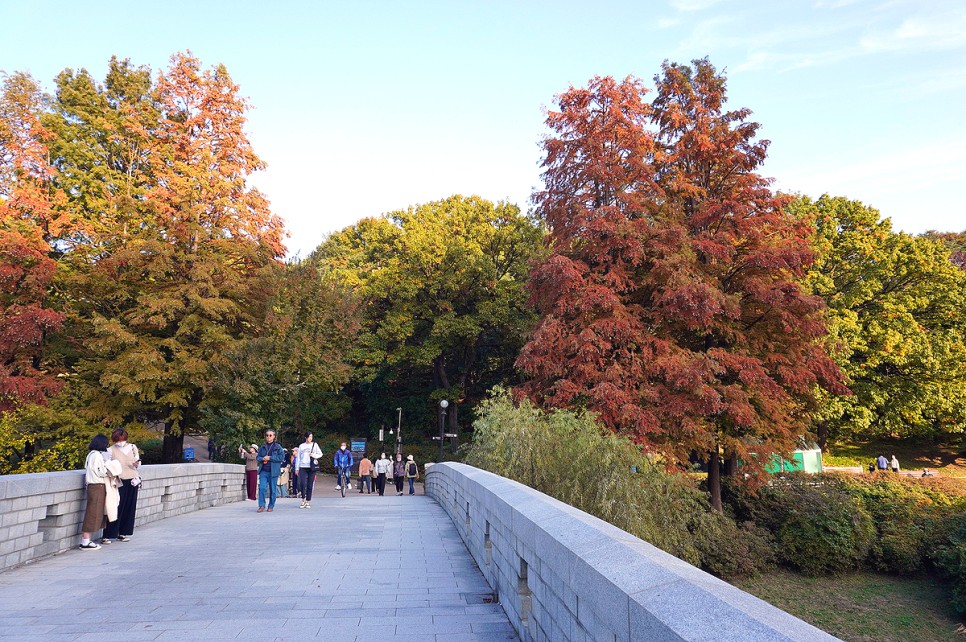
(365, 107)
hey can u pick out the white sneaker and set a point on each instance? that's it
(338, 487)
(302, 505)
(308, 505)
(349, 486)
(89, 546)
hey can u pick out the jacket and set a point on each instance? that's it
(342, 459)
(398, 469)
(276, 456)
(383, 466)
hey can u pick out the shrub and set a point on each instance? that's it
(818, 527)
(570, 457)
(949, 556)
(731, 550)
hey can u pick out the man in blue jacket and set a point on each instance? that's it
(342, 460)
(270, 455)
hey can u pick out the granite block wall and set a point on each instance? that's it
(562, 575)
(41, 513)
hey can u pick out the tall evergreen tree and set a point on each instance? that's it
(671, 305)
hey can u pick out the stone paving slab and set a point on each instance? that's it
(360, 568)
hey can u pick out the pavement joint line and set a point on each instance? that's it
(227, 572)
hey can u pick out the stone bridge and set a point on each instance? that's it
(478, 557)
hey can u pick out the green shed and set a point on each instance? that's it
(808, 460)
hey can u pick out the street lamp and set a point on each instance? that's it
(399, 433)
(443, 405)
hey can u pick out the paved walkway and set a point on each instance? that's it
(363, 568)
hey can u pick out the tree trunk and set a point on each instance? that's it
(731, 465)
(714, 480)
(822, 435)
(172, 450)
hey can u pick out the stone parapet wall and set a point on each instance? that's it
(41, 513)
(563, 575)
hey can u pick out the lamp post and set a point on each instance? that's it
(443, 405)
(399, 433)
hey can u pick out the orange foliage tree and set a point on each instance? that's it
(670, 302)
(30, 220)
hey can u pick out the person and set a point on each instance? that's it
(270, 456)
(383, 466)
(342, 460)
(294, 490)
(283, 477)
(872, 466)
(927, 473)
(211, 449)
(398, 473)
(125, 453)
(895, 464)
(251, 468)
(882, 463)
(97, 478)
(412, 473)
(307, 458)
(365, 474)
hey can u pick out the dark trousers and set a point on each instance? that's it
(306, 482)
(365, 481)
(381, 483)
(125, 511)
(251, 483)
(399, 483)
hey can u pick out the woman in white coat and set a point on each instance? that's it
(307, 459)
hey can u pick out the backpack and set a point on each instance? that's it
(412, 469)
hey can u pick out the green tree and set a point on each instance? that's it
(290, 376)
(897, 316)
(445, 306)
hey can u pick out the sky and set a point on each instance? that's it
(365, 107)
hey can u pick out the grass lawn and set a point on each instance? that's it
(947, 459)
(863, 605)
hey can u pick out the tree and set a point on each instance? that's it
(31, 218)
(955, 241)
(670, 304)
(289, 377)
(896, 313)
(174, 280)
(445, 308)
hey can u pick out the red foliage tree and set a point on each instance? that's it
(29, 220)
(670, 303)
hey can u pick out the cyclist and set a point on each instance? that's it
(342, 460)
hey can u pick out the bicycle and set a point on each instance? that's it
(343, 479)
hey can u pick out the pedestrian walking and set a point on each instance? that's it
(308, 465)
(412, 473)
(126, 454)
(895, 464)
(270, 457)
(882, 463)
(365, 473)
(399, 473)
(251, 469)
(383, 469)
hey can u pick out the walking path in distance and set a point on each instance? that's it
(364, 568)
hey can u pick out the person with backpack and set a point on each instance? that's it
(399, 473)
(412, 473)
